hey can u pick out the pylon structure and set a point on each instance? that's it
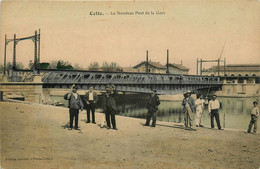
(35, 38)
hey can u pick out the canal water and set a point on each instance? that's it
(234, 112)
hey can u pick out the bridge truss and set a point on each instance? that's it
(129, 82)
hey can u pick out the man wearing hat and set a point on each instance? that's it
(75, 103)
(188, 108)
(109, 106)
(152, 107)
(213, 108)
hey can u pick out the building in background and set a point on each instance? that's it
(241, 80)
(178, 69)
(246, 70)
(156, 67)
(153, 67)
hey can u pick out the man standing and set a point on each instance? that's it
(213, 108)
(254, 116)
(75, 103)
(199, 110)
(91, 100)
(188, 108)
(152, 107)
(109, 106)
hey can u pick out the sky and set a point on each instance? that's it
(189, 29)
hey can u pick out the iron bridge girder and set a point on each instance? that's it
(130, 82)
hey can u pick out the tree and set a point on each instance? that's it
(115, 67)
(63, 65)
(31, 64)
(60, 64)
(111, 67)
(105, 66)
(19, 65)
(93, 66)
(53, 64)
(77, 66)
(9, 66)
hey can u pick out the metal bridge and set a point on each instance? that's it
(124, 81)
(128, 82)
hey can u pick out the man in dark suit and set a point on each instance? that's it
(152, 107)
(188, 108)
(109, 106)
(91, 99)
(75, 103)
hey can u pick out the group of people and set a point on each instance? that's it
(91, 98)
(190, 106)
(109, 106)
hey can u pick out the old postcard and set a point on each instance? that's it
(129, 84)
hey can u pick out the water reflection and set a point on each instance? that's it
(234, 112)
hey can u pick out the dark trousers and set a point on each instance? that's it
(214, 113)
(91, 106)
(150, 114)
(74, 113)
(253, 121)
(110, 113)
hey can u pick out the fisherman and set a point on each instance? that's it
(200, 102)
(213, 108)
(188, 108)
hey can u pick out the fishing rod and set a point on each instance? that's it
(218, 60)
(224, 116)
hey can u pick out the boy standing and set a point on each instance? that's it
(254, 116)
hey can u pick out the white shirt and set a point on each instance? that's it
(90, 97)
(199, 104)
(255, 111)
(75, 95)
(213, 104)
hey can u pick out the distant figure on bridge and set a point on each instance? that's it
(213, 108)
(109, 106)
(200, 102)
(75, 103)
(91, 99)
(188, 108)
(152, 107)
(254, 117)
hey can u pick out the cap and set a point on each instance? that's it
(154, 90)
(75, 87)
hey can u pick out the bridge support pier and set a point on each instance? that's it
(31, 92)
(5, 78)
(37, 78)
